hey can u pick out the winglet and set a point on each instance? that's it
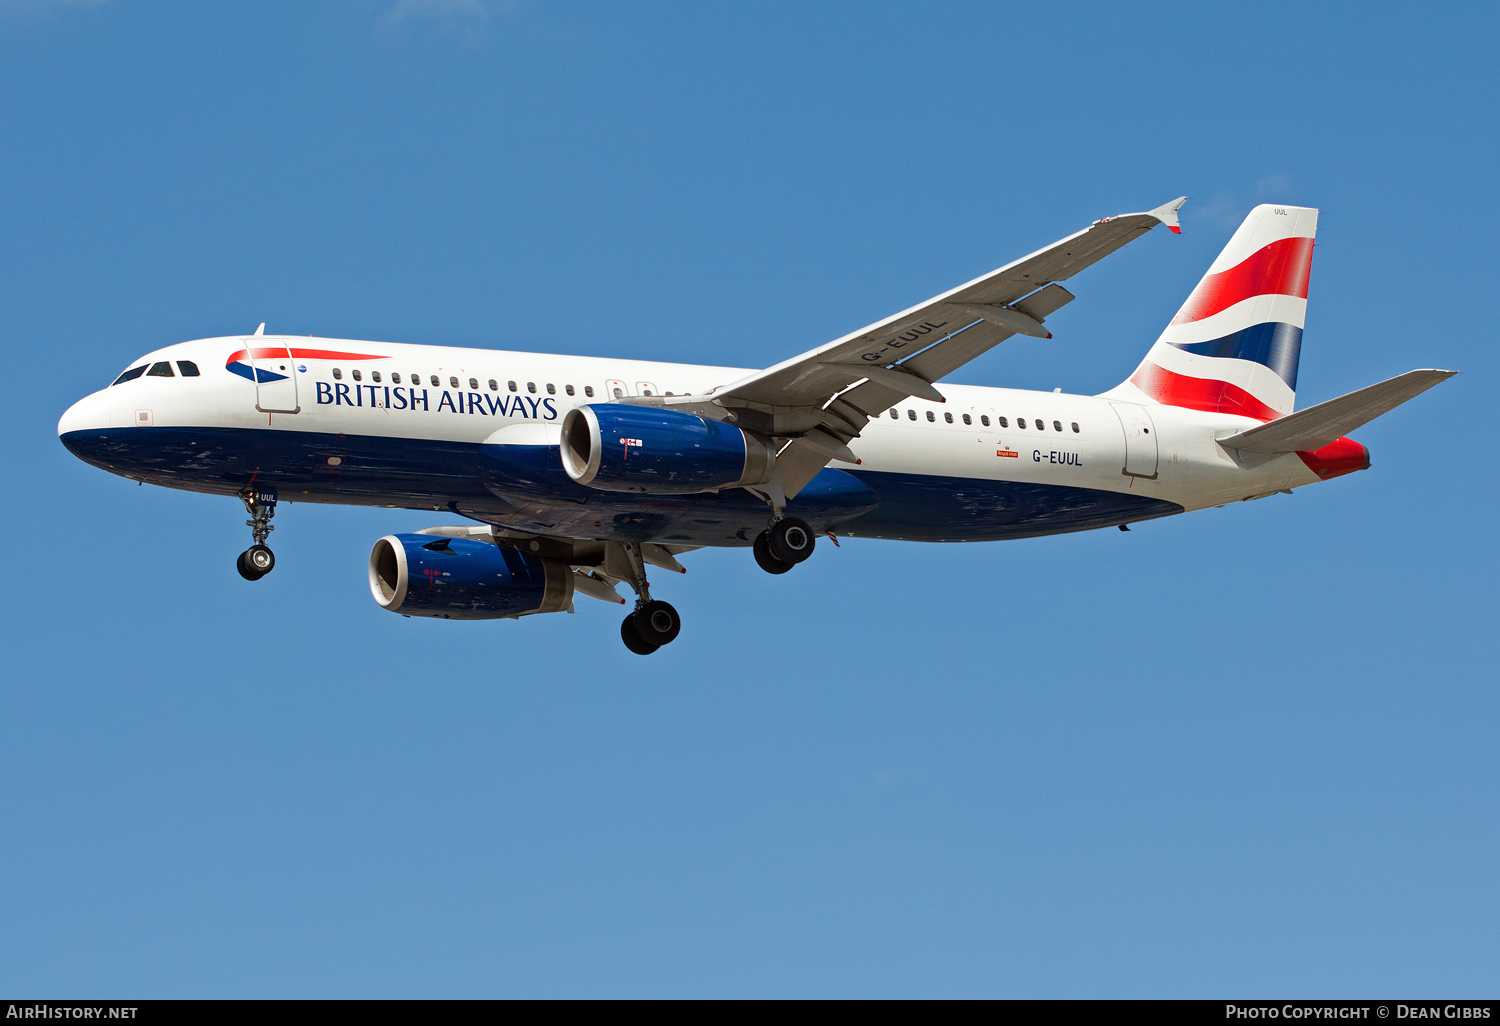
(1167, 214)
(262, 329)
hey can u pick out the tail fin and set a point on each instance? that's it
(1233, 347)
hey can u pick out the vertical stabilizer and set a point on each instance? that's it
(1234, 345)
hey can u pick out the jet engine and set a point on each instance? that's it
(465, 579)
(622, 448)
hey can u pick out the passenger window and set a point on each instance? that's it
(568, 389)
(375, 377)
(531, 387)
(473, 382)
(930, 417)
(911, 414)
(494, 385)
(188, 368)
(1075, 427)
(131, 374)
(1020, 422)
(395, 377)
(1003, 422)
(588, 390)
(551, 388)
(895, 415)
(354, 374)
(619, 394)
(511, 385)
(1057, 425)
(338, 375)
(452, 381)
(984, 420)
(949, 417)
(967, 420)
(435, 381)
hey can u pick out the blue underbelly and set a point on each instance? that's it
(921, 507)
(434, 474)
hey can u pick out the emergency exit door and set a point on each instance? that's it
(1140, 439)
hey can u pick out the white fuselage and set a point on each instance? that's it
(349, 389)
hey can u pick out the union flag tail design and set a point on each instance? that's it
(1233, 347)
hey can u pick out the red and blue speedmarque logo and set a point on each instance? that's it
(251, 364)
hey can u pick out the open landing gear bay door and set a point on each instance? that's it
(275, 375)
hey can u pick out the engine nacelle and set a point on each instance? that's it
(622, 448)
(465, 579)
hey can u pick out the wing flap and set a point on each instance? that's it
(1310, 429)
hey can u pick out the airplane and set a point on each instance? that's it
(576, 473)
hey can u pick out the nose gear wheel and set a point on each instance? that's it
(255, 562)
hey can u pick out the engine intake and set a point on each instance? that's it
(465, 579)
(621, 448)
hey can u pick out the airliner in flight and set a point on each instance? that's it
(577, 473)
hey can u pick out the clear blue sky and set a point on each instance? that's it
(1249, 751)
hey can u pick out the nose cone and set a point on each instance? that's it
(83, 423)
(90, 413)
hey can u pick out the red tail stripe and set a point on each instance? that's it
(1171, 389)
(1280, 269)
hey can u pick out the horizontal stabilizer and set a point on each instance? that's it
(1310, 429)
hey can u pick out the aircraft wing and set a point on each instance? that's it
(819, 401)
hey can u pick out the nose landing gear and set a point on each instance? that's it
(257, 561)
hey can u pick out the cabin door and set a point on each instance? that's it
(275, 376)
(1140, 439)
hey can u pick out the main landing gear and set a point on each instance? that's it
(257, 561)
(787, 542)
(653, 623)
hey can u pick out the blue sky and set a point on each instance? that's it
(1249, 751)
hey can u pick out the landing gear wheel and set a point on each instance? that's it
(248, 572)
(769, 563)
(260, 559)
(657, 623)
(631, 635)
(791, 540)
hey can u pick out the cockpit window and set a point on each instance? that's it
(160, 370)
(188, 368)
(131, 374)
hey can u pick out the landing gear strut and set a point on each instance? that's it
(257, 561)
(653, 623)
